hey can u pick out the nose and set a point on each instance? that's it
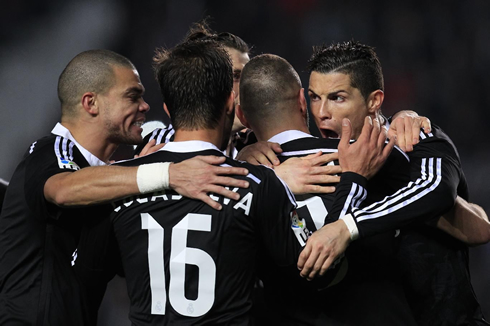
(324, 110)
(144, 107)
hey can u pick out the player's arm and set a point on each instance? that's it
(406, 125)
(192, 178)
(466, 222)
(435, 175)
(359, 161)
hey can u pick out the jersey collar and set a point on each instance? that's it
(62, 131)
(288, 135)
(189, 146)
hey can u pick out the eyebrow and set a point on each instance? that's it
(135, 90)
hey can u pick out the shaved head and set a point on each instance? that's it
(89, 71)
(268, 87)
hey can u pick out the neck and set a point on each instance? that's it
(212, 136)
(92, 139)
(292, 123)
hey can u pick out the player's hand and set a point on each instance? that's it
(406, 127)
(149, 148)
(200, 175)
(368, 154)
(306, 174)
(323, 248)
(261, 152)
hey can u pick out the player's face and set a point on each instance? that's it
(332, 98)
(239, 59)
(123, 108)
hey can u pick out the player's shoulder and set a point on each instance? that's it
(437, 142)
(51, 148)
(309, 145)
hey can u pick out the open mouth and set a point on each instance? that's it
(330, 133)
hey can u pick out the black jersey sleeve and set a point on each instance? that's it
(161, 136)
(45, 158)
(435, 174)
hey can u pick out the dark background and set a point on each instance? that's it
(435, 55)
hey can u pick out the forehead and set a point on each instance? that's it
(126, 78)
(322, 83)
(239, 59)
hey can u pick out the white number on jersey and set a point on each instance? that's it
(180, 255)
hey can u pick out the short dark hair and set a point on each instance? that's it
(195, 80)
(89, 71)
(268, 83)
(352, 58)
(202, 31)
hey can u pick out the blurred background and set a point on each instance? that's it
(435, 56)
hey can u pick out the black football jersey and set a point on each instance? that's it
(186, 263)
(38, 239)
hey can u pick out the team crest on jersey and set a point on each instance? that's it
(67, 164)
(299, 228)
(295, 221)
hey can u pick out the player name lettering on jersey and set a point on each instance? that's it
(244, 203)
(161, 195)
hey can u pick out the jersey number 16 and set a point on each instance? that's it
(180, 255)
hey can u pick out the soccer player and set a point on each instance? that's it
(184, 262)
(278, 113)
(238, 51)
(274, 106)
(102, 106)
(346, 81)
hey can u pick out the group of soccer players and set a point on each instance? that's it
(390, 247)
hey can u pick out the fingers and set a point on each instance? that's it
(388, 148)
(309, 263)
(261, 153)
(312, 156)
(324, 159)
(326, 265)
(303, 257)
(228, 181)
(416, 126)
(275, 147)
(222, 170)
(346, 133)
(408, 131)
(382, 137)
(375, 132)
(426, 124)
(209, 201)
(149, 148)
(318, 189)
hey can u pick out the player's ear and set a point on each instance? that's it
(230, 103)
(166, 109)
(302, 102)
(241, 116)
(375, 100)
(90, 103)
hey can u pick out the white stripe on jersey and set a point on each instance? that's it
(31, 149)
(424, 135)
(65, 161)
(165, 134)
(308, 151)
(428, 181)
(356, 195)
